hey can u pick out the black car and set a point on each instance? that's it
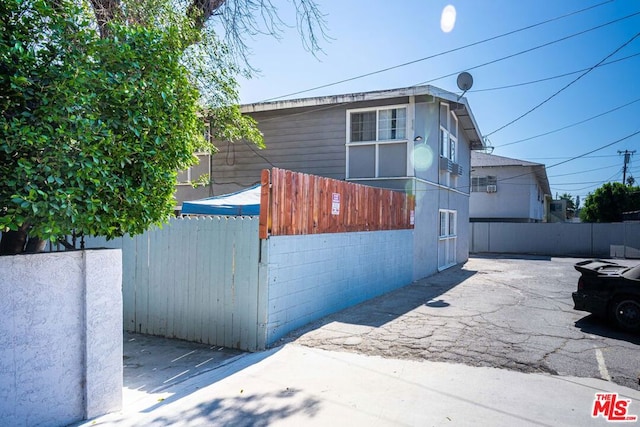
(610, 291)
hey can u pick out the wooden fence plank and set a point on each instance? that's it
(221, 280)
(196, 279)
(129, 283)
(142, 284)
(158, 283)
(302, 204)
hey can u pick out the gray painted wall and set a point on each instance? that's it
(61, 337)
(312, 140)
(312, 276)
(557, 239)
(309, 140)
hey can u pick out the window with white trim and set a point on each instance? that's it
(377, 142)
(201, 171)
(484, 184)
(448, 133)
(448, 221)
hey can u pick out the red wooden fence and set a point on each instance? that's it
(296, 203)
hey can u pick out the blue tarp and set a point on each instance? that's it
(245, 202)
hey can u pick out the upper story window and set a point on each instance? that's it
(378, 125)
(199, 173)
(448, 133)
(377, 142)
(483, 184)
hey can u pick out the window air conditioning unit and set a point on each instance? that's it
(492, 188)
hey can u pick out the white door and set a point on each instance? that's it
(447, 239)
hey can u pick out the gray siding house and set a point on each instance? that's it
(417, 140)
(507, 190)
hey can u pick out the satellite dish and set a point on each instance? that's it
(465, 81)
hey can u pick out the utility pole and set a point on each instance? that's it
(627, 157)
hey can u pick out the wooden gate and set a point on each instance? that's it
(195, 279)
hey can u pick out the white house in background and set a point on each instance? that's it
(416, 139)
(507, 190)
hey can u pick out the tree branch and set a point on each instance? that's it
(106, 11)
(201, 10)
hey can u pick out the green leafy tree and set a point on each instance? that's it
(570, 201)
(101, 104)
(608, 203)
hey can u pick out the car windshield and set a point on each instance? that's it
(632, 273)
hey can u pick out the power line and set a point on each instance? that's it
(532, 49)
(476, 66)
(598, 183)
(586, 171)
(578, 183)
(553, 77)
(577, 157)
(569, 126)
(452, 74)
(438, 54)
(564, 87)
(593, 151)
(560, 158)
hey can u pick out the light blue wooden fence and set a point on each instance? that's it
(195, 279)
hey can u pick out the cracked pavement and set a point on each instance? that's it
(504, 312)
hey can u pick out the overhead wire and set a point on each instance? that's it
(511, 86)
(522, 52)
(564, 87)
(567, 157)
(595, 150)
(471, 68)
(576, 157)
(586, 171)
(569, 126)
(598, 183)
(404, 64)
(601, 63)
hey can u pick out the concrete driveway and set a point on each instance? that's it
(513, 313)
(380, 363)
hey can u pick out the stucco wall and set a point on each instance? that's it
(516, 198)
(61, 337)
(311, 276)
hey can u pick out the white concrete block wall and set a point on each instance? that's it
(311, 276)
(60, 341)
(557, 239)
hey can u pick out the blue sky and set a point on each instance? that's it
(370, 35)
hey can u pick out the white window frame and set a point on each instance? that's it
(189, 170)
(206, 134)
(449, 135)
(377, 143)
(447, 224)
(480, 184)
